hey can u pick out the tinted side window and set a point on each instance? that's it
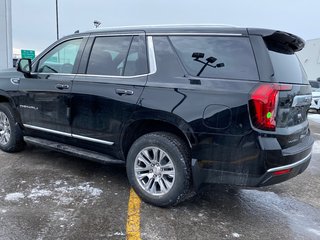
(287, 68)
(167, 61)
(136, 63)
(108, 55)
(60, 59)
(217, 57)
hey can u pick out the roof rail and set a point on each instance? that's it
(163, 26)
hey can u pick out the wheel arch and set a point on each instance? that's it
(135, 129)
(5, 98)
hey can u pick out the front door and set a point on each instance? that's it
(44, 98)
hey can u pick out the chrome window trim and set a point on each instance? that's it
(151, 62)
(110, 76)
(96, 34)
(59, 74)
(151, 56)
(271, 170)
(194, 34)
(68, 134)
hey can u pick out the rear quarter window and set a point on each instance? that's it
(287, 68)
(217, 57)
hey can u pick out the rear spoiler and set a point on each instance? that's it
(279, 41)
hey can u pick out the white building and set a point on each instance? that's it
(5, 34)
(310, 58)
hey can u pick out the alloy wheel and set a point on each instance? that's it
(154, 171)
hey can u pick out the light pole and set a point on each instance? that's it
(57, 19)
(96, 23)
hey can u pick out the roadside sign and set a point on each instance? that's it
(28, 54)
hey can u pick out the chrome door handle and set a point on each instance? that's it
(124, 92)
(62, 86)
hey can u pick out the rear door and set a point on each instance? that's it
(112, 76)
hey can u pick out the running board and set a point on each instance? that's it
(74, 151)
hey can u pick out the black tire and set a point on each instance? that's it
(11, 139)
(178, 153)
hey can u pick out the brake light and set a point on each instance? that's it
(263, 105)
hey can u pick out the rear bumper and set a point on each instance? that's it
(294, 161)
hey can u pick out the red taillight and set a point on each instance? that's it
(263, 105)
(282, 172)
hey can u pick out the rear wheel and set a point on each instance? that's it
(10, 133)
(158, 168)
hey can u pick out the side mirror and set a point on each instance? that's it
(24, 66)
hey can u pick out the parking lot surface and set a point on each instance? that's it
(48, 195)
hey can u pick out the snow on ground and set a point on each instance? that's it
(14, 196)
(60, 192)
(316, 147)
(314, 117)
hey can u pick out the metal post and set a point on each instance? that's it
(57, 19)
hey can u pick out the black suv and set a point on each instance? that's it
(180, 106)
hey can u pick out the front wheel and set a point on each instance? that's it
(10, 133)
(158, 168)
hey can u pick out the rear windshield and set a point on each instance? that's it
(287, 68)
(217, 57)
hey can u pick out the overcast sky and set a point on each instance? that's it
(34, 25)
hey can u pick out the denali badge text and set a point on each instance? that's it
(28, 107)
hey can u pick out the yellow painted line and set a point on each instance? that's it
(133, 219)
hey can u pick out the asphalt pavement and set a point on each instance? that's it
(48, 195)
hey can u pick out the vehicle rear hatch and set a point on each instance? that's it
(292, 87)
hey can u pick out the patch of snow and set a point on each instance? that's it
(236, 235)
(85, 188)
(316, 147)
(116, 234)
(315, 231)
(65, 200)
(14, 196)
(119, 234)
(36, 192)
(58, 182)
(94, 192)
(59, 191)
(3, 211)
(314, 117)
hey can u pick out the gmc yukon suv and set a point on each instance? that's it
(180, 106)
